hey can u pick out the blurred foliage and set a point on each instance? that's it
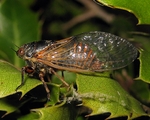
(23, 21)
(18, 26)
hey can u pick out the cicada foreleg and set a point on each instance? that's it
(24, 70)
(22, 78)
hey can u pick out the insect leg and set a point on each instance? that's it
(48, 77)
(41, 75)
(61, 78)
(22, 78)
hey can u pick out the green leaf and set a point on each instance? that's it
(58, 112)
(10, 104)
(144, 41)
(31, 116)
(144, 66)
(11, 78)
(18, 25)
(104, 95)
(6, 106)
(139, 8)
(141, 90)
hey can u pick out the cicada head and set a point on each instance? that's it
(26, 51)
(29, 50)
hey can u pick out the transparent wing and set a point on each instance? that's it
(92, 51)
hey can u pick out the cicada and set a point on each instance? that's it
(84, 53)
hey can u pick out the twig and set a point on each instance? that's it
(93, 10)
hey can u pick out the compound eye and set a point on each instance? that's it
(20, 52)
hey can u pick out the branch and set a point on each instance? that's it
(93, 10)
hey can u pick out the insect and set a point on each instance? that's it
(84, 53)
